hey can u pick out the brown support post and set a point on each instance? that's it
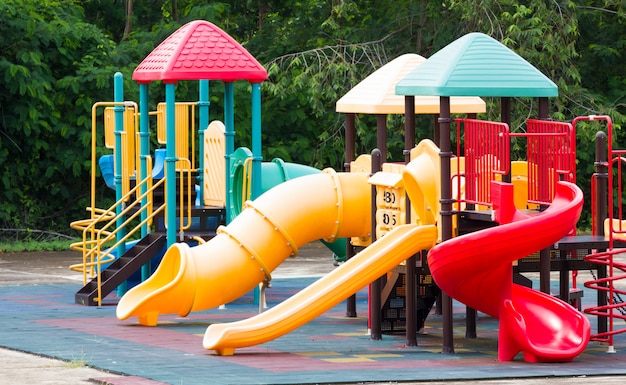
(436, 139)
(350, 154)
(446, 213)
(409, 127)
(436, 130)
(377, 285)
(544, 108)
(351, 300)
(411, 282)
(381, 136)
(350, 140)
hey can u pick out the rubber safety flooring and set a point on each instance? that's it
(44, 320)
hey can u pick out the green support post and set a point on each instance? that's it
(203, 109)
(256, 140)
(229, 123)
(170, 162)
(118, 85)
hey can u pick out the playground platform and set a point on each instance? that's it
(39, 316)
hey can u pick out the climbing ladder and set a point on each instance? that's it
(120, 270)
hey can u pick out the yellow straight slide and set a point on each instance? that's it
(270, 229)
(376, 260)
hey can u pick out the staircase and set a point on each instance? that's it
(121, 269)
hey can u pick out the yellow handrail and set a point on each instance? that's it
(102, 235)
(181, 195)
(94, 238)
(184, 220)
(246, 187)
(94, 128)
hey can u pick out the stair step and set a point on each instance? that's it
(121, 269)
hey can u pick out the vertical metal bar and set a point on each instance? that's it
(411, 284)
(349, 156)
(446, 213)
(376, 286)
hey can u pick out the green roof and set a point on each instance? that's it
(476, 65)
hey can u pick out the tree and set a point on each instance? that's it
(51, 67)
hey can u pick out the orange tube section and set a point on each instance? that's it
(271, 228)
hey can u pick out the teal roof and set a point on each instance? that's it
(476, 65)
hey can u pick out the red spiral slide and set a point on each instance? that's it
(475, 269)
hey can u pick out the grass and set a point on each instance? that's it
(28, 240)
(78, 362)
(34, 246)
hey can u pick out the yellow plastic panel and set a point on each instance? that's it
(182, 135)
(130, 147)
(214, 165)
(109, 127)
(363, 163)
(390, 198)
(131, 134)
(183, 124)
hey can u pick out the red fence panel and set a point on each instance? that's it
(486, 150)
(551, 153)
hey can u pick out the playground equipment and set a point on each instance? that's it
(375, 95)
(609, 226)
(543, 327)
(185, 190)
(471, 196)
(398, 244)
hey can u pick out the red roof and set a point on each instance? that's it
(199, 50)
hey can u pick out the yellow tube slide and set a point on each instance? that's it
(271, 228)
(380, 257)
(420, 178)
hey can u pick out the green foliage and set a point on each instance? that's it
(57, 57)
(50, 65)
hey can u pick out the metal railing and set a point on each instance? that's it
(614, 228)
(100, 236)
